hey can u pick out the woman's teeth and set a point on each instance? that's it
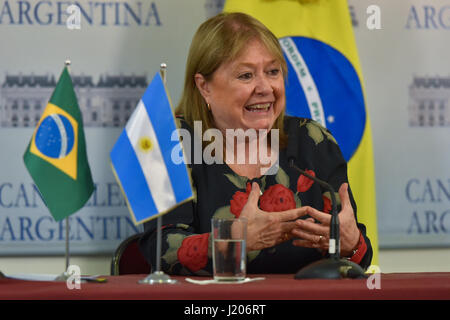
(258, 107)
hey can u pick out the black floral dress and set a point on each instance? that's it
(186, 243)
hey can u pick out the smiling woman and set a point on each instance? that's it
(234, 82)
(220, 55)
(247, 92)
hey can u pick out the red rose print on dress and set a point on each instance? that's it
(304, 183)
(193, 252)
(239, 200)
(277, 198)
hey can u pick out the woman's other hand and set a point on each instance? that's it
(317, 234)
(267, 229)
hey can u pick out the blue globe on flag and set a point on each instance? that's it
(323, 85)
(55, 136)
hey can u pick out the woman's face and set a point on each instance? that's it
(247, 92)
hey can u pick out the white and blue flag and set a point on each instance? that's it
(141, 158)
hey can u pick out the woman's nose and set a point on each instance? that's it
(263, 85)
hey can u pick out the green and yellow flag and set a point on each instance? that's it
(325, 83)
(56, 155)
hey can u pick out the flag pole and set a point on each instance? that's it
(67, 243)
(163, 69)
(158, 276)
(67, 64)
(64, 276)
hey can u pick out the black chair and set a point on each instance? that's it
(128, 259)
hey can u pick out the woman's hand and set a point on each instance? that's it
(267, 229)
(317, 235)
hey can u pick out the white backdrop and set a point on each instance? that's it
(119, 44)
(406, 74)
(406, 68)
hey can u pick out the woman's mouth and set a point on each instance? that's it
(260, 107)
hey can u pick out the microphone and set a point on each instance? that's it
(334, 267)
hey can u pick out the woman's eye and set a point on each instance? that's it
(274, 72)
(245, 76)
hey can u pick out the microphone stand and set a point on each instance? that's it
(333, 267)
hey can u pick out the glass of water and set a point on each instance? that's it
(229, 248)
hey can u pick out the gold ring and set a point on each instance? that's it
(286, 236)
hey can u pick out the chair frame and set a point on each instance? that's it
(119, 252)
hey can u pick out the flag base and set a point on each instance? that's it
(62, 277)
(157, 277)
(331, 269)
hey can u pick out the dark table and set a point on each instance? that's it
(393, 286)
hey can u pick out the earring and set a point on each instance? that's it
(208, 106)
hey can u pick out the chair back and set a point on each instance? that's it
(127, 258)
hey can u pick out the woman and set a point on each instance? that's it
(235, 80)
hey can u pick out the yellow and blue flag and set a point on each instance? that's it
(151, 181)
(56, 155)
(325, 83)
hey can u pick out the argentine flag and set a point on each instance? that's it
(141, 158)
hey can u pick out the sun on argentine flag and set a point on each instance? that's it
(141, 158)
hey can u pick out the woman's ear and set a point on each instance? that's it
(202, 86)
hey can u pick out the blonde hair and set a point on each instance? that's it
(218, 40)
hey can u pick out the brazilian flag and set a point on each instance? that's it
(56, 155)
